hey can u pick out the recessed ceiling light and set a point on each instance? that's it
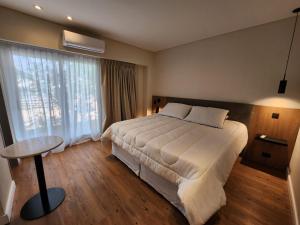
(38, 7)
(69, 18)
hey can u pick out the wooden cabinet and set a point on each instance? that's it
(269, 153)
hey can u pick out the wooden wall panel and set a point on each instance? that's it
(285, 127)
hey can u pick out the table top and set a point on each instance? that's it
(31, 147)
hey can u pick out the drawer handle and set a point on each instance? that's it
(266, 155)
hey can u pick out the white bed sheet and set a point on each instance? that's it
(197, 158)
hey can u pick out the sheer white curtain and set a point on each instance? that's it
(51, 93)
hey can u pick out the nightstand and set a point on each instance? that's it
(268, 154)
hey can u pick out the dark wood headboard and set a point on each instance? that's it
(258, 119)
(238, 111)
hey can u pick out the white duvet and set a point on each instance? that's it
(197, 158)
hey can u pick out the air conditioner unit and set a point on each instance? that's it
(79, 41)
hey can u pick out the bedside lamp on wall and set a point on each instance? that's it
(156, 103)
(283, 82)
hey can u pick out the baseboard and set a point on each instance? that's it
(10, 200)
(292, 199)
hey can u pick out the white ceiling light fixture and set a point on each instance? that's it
(38, 7)
(69, 18)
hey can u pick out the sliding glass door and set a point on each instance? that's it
(51, 93)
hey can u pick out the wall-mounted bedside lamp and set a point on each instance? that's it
(283, 82)
(156, 103)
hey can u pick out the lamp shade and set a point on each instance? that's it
(282, 86)
(283, 82)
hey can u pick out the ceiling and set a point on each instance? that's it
(158, 24)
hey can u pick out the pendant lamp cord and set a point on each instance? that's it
(291, 45)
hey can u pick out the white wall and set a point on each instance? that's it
(295, 175)
(141, 86)
(5, 179)
(243, 66)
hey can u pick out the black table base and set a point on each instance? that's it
(34, 208)
(44, 202)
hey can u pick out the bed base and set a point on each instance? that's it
(164, 187)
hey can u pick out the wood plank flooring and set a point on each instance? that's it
(102, 190)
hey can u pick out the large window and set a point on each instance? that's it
(51, 93)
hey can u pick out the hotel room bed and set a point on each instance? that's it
(186, 162)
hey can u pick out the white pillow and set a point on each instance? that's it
(176, 110)
(213, 117)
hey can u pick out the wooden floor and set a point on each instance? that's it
(101, 190)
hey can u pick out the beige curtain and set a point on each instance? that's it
(118, 91)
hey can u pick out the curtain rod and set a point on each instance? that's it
(51, 49)
(59, 50)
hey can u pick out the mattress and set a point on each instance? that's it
(196, 158)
